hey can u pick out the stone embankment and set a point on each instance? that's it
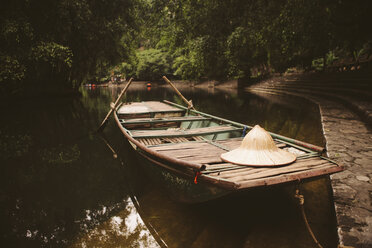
(345, 105)
(231, 84)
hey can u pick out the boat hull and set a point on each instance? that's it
(180, 186)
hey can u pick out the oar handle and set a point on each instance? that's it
(114, 105)
(189, 103)
(122, 92)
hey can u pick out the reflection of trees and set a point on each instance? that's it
(53, 170)
(124, 229)
(47, 198)
(14, 145)
(292, 117)
(96, 102)
(298, 119)
(61, 154)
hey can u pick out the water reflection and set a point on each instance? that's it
(61, 186)
(53, 170)
(124, 229)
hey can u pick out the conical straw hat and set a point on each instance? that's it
(258, 149)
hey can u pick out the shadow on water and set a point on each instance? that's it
(62, 187)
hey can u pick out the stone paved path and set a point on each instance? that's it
(349, 142)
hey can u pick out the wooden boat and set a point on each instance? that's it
(181, 147)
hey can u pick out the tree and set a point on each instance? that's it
(65, 41)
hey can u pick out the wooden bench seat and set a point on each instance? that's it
(147, 109)
(177, 132)
(164, 120)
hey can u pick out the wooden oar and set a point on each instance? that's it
(102, 136)
(113, 106)
(189, 103)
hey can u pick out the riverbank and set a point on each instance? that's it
(211, 87)
(345, 106)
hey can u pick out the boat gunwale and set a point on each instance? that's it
(219, 182)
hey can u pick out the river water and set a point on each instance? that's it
(61, 186)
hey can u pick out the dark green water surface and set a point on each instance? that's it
(60, 185)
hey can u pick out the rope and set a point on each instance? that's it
(190, 105)
(197, 173)
(244, 131)
(112, 106)
(301, 201)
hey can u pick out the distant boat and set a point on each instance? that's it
(182, 147)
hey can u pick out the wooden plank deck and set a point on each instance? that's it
(204, 152)
(177, 132)
(314, 169)
(197, 152)
(244, 176)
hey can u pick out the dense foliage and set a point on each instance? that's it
(232, 39)
(60, 43)
(65, 42)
